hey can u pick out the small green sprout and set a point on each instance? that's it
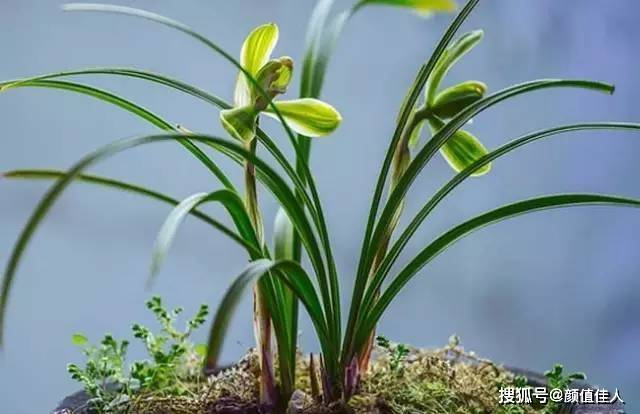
(557, 379)
(104, 375)
(397, 353)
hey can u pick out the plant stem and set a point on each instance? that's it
(261, 316)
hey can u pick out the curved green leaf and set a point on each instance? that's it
(405, 113)
(33, 174)
(453, 53)
(133, 73)
(315, 33)
(292, 274)
(175, 84)
(321, 40)
(126, 105)
(273, 181)
(438, 140)
(412, 227)
(282, 236)
(322, 228)
(283, 239)
(96, 93)
(448, 238)
(209, 98)
(174, 24)
(229, 199)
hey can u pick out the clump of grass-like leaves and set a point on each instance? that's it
(280, 283)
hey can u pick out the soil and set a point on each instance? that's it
(443, 381)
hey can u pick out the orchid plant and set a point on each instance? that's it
(279, 281)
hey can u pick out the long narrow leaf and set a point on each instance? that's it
(41, 174)
(406, 235)
(468, 227)
(315, 30)
(440, 138)
(408, 105)
(175, 84)
(229, 199)
(283, 237)
(124, 104)
(332, 278)
(174, 24)
(132, 73)
(292, 274)
(275, 183)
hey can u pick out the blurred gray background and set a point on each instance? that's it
(560, 286)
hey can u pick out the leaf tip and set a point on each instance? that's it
(68, 7)
(154, 269)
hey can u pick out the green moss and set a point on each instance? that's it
(441, 381)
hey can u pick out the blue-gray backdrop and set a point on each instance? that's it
(556, 286)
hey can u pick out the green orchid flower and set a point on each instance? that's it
(307, 116)
(463, 148)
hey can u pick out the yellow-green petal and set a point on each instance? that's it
(256, 51)
(423, 7)
(240, 122)
(462, 150)
(454, 99)
(308, 116)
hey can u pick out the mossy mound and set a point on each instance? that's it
(441, 381)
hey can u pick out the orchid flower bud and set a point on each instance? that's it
(273, 78)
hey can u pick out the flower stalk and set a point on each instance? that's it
(261, 315)
(401, 160)
(255, 93)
